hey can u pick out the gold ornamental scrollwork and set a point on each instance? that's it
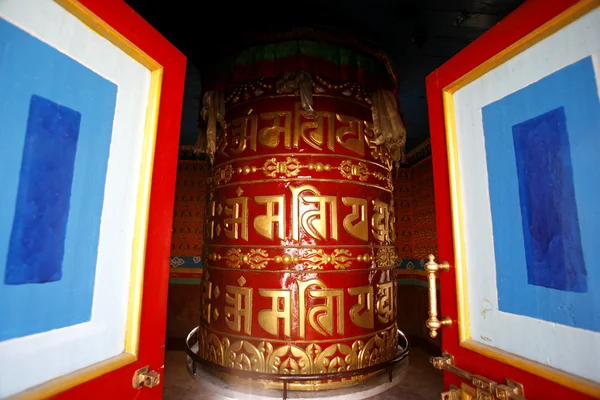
(348, 170)
(291, 168)
(386, 257)
(312, 259)
(262, 88)
(255, 258)
(223, 174)
(308, 358)
(317, 259)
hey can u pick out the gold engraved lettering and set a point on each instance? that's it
(270, 136)
(361, 314)
(263, 224)
(381, 221)
(239, 306)
(321, 316)
(269, 319)
(385, 302)
(360, 229)
(351, 136)
(238, 217)
(312, 131)
(240, 135)
(313, 221)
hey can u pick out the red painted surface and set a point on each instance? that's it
(523, 21)
(117, 384)
(241, 173)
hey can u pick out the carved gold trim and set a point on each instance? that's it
(386, 257)
(392, 327)
(291, 167)
(254, 90)
(303, 180)
(223, 174)
(296, 246)
(295, 271)
(311, 155)
(279, 96)
(313, 259)
(294, 358)
(234, 258)
(297, 386)
(340, 259)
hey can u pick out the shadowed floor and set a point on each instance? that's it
(422, 382)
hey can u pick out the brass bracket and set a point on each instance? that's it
(145, 377)
(485, 389)
(433, 323)
(453, 394)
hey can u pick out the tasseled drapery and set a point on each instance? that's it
(387, 124)
(213, 113)
(299, 83)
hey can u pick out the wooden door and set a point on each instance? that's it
(90, 109)
(515, 132)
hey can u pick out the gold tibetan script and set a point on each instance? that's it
(239, 306)
(271, 135)
(320, 317)
(312, 131)
(380, 221)
(294, 127)
(313, 221)
(269, 318)
(263, 224)
(237, 217)
(385, 302)
(351, 136)
(360, 229)
(361, 314)
(240, 137)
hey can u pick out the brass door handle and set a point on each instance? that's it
(433, 323)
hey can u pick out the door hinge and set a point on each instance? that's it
(485, 389)
(145, 377)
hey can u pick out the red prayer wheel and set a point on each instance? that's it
(299, 249)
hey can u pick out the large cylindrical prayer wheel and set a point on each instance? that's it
(299, 250)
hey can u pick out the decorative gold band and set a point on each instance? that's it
(294, 271)
(312, 155)
(293, 357)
